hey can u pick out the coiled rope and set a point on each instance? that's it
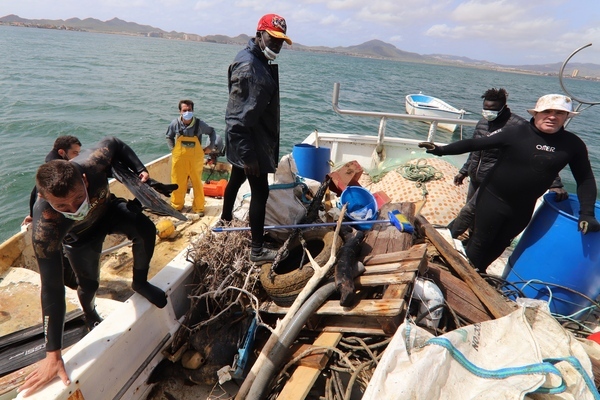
(420, 172)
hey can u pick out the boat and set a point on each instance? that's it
(117, 358)
(425, 105)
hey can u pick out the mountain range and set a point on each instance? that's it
(371, 49)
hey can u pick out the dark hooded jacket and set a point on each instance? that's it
(252, 115)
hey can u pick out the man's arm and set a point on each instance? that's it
(113, 149)
(49, 228)
(170, 135)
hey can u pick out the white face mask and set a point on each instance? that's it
(491, 115)
(187, 115)
(81, 212)
(270, 54)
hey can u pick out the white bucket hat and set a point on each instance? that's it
(554, 102)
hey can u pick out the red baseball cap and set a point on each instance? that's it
(275, 26)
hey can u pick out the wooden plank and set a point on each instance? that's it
(493, 301)
(414, 253)
(364, 308)
(305, 376)
(408, 266)
(352, 325)
(390, 325)
(386, 279)
(386, 238)
(458, 295)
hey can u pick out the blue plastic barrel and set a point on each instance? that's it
(362, 205)
(312, 162)
(551, 250)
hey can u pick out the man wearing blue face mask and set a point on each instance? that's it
(184, 137)
(496, 117)
(75, 209)
(252, 131)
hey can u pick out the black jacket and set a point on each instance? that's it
(480, 163)
(252, 115)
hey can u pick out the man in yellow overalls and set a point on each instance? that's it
(184, 137)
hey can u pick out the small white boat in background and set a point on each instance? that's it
(422, 104)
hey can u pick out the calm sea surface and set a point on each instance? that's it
(90, 85)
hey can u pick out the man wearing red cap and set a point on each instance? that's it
(252, 126)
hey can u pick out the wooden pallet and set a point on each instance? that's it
(393, 272)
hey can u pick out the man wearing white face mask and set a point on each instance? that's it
(252, 131)
(184, 137)
(75, 209)
(496, 117)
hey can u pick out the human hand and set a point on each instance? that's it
(50, 367)
(252, 169)
(459, 178)
(431, 148)
(588, 223)
(144, 176)
(27, 220)
(561, 193)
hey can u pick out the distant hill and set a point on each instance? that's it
(371, 49)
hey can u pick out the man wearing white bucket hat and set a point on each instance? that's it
(531, 157)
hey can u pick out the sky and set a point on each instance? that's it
(508, 32)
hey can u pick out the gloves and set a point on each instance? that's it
(162, 188)
(459, 178)
(588, 223)
(561, 193)
(431, 148)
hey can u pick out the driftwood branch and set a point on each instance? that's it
(247, 390)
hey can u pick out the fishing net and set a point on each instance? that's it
(411, 181)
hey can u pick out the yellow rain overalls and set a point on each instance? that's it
(187, 162)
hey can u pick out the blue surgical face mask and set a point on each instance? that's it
(187, 115)
(81, 212)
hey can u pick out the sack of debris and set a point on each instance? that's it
(287, 201)
(524, 355)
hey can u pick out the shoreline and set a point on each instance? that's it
(242, 41)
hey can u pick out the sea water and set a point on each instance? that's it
(92, 85)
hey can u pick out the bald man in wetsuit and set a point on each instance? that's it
(75, 206)
(530, 158)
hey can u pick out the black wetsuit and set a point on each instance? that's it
(83, 239)
(528, 163)
(68, 274)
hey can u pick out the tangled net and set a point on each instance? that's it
(224, 279)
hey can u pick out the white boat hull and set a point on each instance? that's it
(433, 107)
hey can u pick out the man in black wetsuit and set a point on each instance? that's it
(530, 158)
(65, 147)
(496, 116)
(75, 206)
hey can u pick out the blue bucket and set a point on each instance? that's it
(362, 205)
(312, 162)
(551, 250)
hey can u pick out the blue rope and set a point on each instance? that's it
(502, 373)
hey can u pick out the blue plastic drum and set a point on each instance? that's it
(552, 251)
(312, 162)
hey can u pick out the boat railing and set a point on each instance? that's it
(385, 116)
